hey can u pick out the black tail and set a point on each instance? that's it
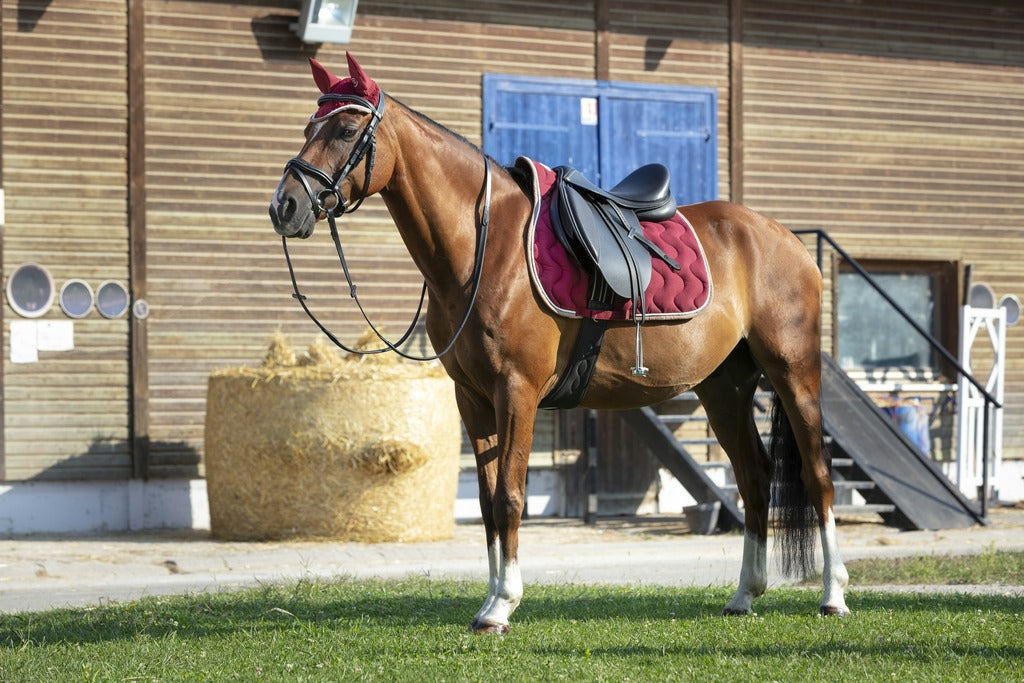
(795, 521)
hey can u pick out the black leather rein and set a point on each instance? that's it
(366, 147)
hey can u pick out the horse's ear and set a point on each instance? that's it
(324, 79)
(363, 83)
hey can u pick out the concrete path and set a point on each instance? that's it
(44, 572)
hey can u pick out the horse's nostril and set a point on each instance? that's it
(286, 209)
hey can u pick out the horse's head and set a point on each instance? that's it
(333, 171)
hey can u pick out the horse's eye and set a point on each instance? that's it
(348, 132)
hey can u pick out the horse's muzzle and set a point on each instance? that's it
(289, 220)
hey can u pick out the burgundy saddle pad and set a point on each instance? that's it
(563, 283)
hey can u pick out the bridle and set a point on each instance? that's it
(366, 147)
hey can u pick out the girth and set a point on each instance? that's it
(568, 392)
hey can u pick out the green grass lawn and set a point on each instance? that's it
(990, 567)
(415, 630)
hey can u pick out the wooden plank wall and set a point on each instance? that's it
(65, 146)
(673, 43)
(899, 128)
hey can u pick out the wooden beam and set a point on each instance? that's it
(602, 58)
(736, 101)
(139, 360)
(3, 233)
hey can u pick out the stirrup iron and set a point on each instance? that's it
(639, 370)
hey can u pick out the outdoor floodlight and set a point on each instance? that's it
(326, 21)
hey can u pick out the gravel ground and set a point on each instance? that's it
(44, 572)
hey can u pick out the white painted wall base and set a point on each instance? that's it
(545, 495)
(35, 507)
(81, 507)
(1010, 486)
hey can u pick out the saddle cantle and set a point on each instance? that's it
(601, 229)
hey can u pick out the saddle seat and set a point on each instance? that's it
(648, 184)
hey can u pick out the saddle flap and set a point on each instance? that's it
(603, 237)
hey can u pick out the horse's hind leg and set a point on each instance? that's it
(798, 390)
(794, 370)
(727, 396)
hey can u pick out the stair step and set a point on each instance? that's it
(673, 417)
(866, 508)
(710, 441)
(836, 462)
(851, 485)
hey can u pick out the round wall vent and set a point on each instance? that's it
(111, 299)
(981, 296)
(30, 290)
(1012, 305)
(76, 298)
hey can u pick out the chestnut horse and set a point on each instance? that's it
(764, 317)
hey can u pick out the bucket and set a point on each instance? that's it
(702, 518)
(911, 418)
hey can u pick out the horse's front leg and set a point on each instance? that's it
(480, 426)
(478, 417)
(514, 417)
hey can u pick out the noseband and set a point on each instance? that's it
(367, 147)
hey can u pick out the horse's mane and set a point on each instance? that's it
(516, 174)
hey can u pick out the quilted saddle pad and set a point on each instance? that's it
(564, 284)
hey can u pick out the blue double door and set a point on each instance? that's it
(606, 129)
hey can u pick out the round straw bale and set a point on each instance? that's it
(331, 447)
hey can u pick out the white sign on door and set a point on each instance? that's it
(588, 111)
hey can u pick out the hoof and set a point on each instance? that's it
(833, 611)
(482, 629)
(731, 612)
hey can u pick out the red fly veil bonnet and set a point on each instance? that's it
(358, 84)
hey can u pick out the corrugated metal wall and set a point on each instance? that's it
(65, 147)
(897, 128)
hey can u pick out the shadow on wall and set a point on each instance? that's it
(29, 14)
(654, 52)
(109, 458)
(277, 42)
(92, 493)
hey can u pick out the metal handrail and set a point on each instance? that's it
(990, 401)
